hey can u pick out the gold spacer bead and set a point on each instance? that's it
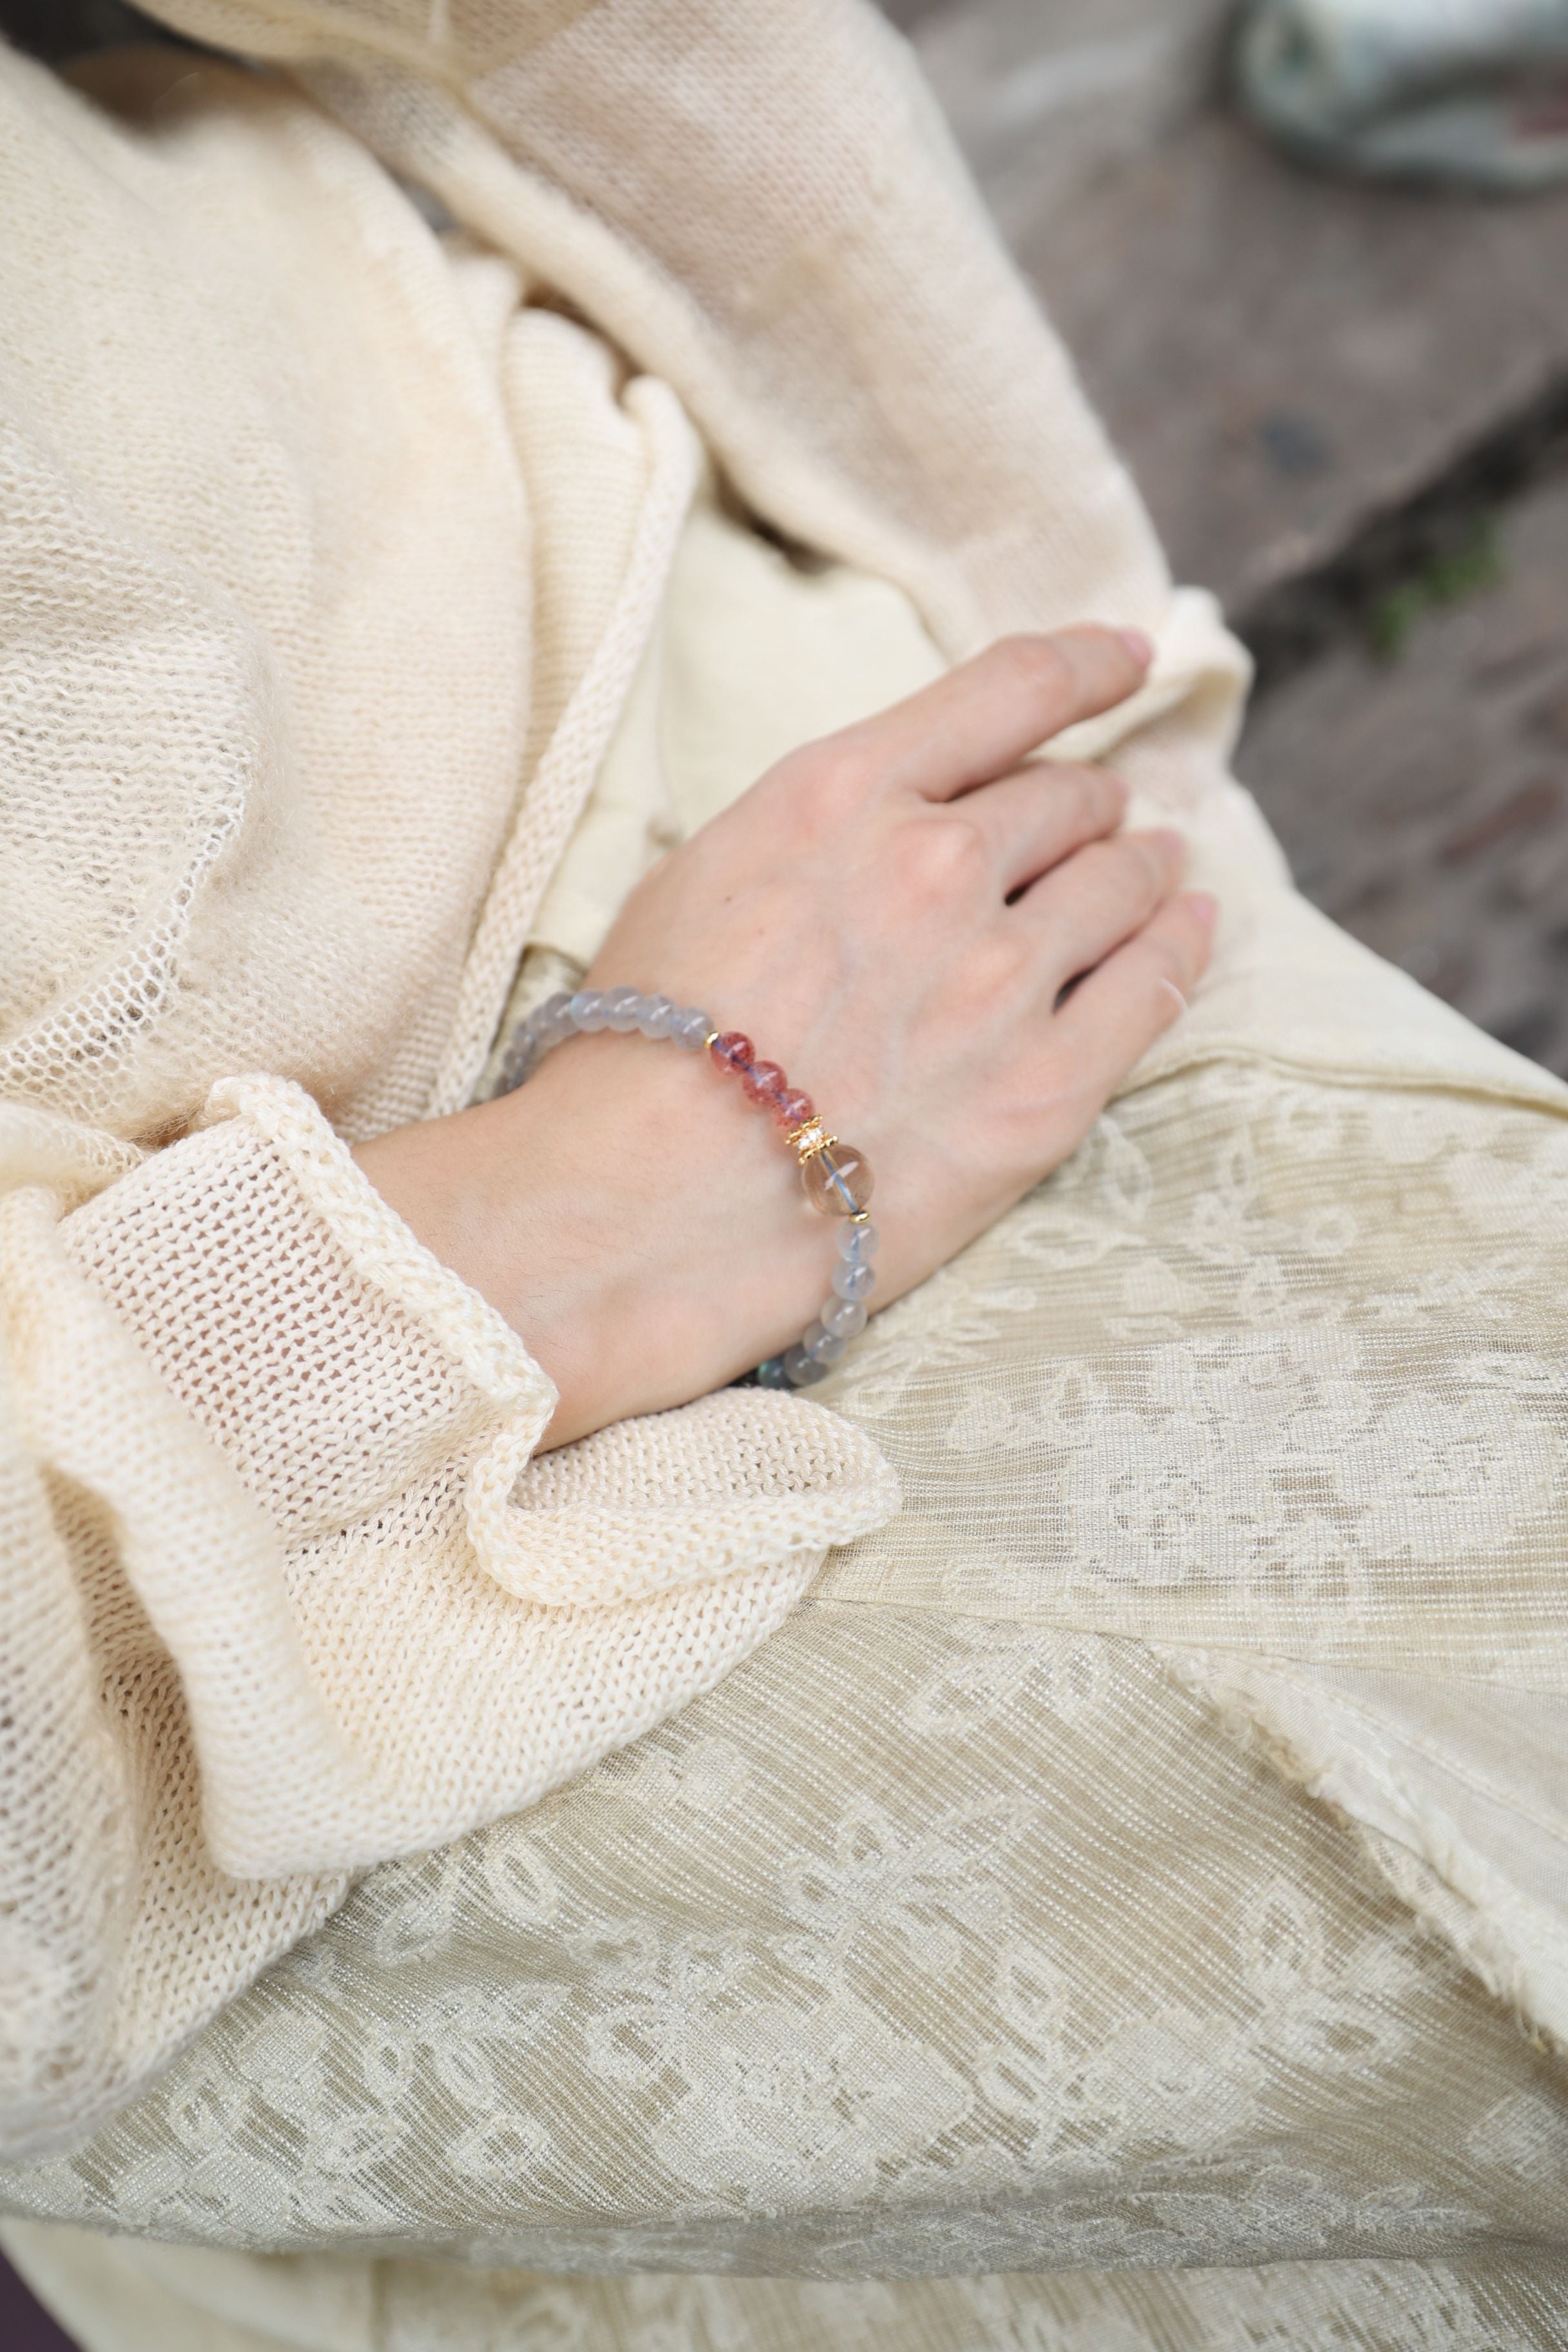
(711, 1040)
(811, 1138)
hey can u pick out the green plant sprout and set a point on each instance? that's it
(1448, 579)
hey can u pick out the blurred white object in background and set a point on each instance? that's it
(1468, 91)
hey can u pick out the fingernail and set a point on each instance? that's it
(1204, 908)
(1140, 647)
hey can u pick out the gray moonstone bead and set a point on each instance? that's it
(854, 1281)
(690, 1028)
(824, 1347)
(859, 1243)
(772, 1374)
(588, 1010)
(533, 1042)
(801, 1370)
(621, 1009)
(552, 1019)
(845, 1316)
(654, 1014)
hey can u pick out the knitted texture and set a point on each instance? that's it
(282, 1594)
(336, 576)
(951, 1934)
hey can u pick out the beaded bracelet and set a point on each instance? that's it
(837, 1178)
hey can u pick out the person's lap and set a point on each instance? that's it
(954, 1933)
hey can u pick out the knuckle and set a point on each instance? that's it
(1100, 797)
(825, 781)
(941, 857)
(1167, 956)
(1074, 786)
(1038, 664)
(996, 968)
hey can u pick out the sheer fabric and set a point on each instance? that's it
(987, 1920)
(956, 1933)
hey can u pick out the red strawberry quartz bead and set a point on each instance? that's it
(764, 1083)
(734, 1052)
(793, 1109)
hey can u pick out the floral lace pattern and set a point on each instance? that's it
(1270, 1362)
(950, 1936)
(1037, 1969)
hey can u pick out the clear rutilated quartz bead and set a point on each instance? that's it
(837, 1179)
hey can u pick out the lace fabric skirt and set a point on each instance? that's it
(960, 1973)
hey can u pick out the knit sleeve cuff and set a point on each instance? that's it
(422, 1627)
(338, 1364)
(331, 1358)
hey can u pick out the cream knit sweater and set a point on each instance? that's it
(333, 557)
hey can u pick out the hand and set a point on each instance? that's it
(894, 915)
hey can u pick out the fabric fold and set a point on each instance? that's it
(353, 1386)
(284, 1442)
(577, 1528)
(314, 1601)
(1458, 1789)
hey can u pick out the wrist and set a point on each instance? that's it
(634, 1222)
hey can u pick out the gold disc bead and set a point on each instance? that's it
(837, 1179)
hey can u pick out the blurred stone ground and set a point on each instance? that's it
(1423, 799)
(1348, 409)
